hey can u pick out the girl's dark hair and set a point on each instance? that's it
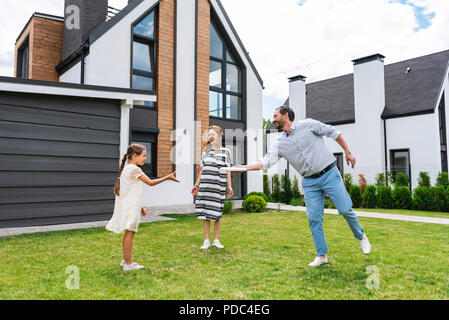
(134, 149)
(285, 109)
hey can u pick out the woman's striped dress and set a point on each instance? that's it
(212, 190)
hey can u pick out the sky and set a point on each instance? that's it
(284, 38)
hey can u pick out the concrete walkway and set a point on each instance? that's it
(154, 214)
(388, 216)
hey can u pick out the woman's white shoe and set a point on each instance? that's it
(133, 266)
(205, 245)
(217, 244)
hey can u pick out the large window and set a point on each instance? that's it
(23, 60)
(225, 79)
(400, 162)
(237, 147)
(148, 140)
(443, 138)
(144, 54)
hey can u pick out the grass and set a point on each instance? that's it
(265, 257)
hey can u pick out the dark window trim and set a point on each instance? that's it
(228, 46)
(442, 131)
(25, 44)
(342, 171)
(151, 42)
(392, 152)
(155, 146)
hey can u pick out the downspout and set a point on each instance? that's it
(84, 47)
(385, 150)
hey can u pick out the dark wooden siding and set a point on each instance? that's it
(58, 159)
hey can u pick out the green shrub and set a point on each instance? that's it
(369, 197)
(356, 196)
(382, 180)
(227, 208)
(442, 179)
(446, 200)
(402, 197)
(421, 199)
(424, 179)
(328, 204)
(261, 194)
(297, 202)
(276, 193)
(286, 189)
(384, 197)
(401, 180)
(437, 198)
(347, 180)
(266, 186)
(254, 204)
(295, 188)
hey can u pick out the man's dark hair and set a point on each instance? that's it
(285, 109)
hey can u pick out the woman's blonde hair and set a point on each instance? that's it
(207, 146)
(134, 149)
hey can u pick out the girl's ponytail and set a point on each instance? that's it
(117, 184)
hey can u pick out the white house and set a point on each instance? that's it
(187, 54)
(392, 116)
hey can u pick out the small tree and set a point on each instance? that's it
(402, 198)
(362, 182)
(286, 189)
(296, 194)
(266, 186)
(424, 179)
(276, 193)
(442, 179)
(382, 179)
(422, 199)
(356, 196)
(384, 197)
(369, 197)
(347, 179)
(401, 180)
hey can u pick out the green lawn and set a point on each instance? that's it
(266, 257)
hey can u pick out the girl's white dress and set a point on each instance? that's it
(128, 205)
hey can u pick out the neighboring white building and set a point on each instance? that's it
(393, 117)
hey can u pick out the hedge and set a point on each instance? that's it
(384, 197)
(369, 197)
(356, 196)
(402, 197)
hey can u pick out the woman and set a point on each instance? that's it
(210, 187)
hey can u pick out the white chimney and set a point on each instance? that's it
(369, 103)
(297, 96)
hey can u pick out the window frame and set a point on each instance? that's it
(24, 46)
(151, 137)
(442, 132)
(224, 62)
(152, 43)
(392, 164)
(340, 154)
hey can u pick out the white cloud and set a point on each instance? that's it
(319, 38)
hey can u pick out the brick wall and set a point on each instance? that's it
(45, 44)
(165, 85)
(202, 80)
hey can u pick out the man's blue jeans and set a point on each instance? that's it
(315, 190)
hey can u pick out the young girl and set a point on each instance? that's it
(128, 200)
(210, 186)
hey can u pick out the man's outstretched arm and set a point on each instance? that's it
(251, 167)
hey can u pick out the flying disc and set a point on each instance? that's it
(232, 169)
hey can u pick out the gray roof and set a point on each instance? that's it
(416, 92)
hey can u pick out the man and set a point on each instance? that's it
(302, 144)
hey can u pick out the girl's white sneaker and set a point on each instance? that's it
(205, 245)
(122, 263)
(133, 266)
(217, 244)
